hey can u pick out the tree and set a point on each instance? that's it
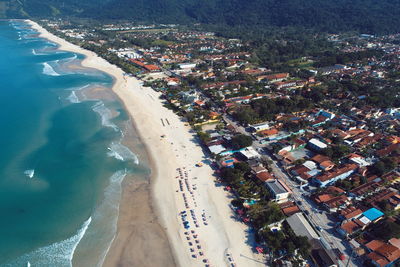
(301, 242)
(387, 230)
(240, 141)
(231, 175)
(383, 166)
(204, 137)
(243, 167)
(246, 115)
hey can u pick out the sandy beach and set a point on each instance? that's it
(151, 225)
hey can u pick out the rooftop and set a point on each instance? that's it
(277, 187)
(301, 227)
(373, 214)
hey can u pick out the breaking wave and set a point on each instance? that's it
(105, 115)
(107, 212)
(73, 98)
(57, 254)
(121, 152)
(48, 70)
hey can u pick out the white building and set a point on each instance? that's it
(259, 127)
(278, 189)
(250, 153)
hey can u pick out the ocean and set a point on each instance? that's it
(62, 160)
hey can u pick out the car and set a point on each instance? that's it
(299, 202)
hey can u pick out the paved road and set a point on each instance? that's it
(316, 217)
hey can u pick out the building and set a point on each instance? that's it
(334, 175)
(249, 153)
(278, 189)
(301, 226)
(259, 127)
(316, 145)
(382, 254)
(373, 214)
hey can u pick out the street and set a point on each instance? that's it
(317, 218)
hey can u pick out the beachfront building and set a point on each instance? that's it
(279, 190)
(301, 227)
(249, 153)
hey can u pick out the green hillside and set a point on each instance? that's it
(369, 16)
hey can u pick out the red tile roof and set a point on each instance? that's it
(388, 150)
(264, 176)
(333, 174)
(374, 244)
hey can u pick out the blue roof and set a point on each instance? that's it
(373, 214)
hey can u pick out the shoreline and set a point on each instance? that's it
(215, 238)
(117, 248)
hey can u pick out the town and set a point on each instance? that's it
(308, 147)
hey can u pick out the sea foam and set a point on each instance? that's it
(105, 115)
(57, 254)
(106, 214)
(48, 70)
(73, 98)
(121, 152)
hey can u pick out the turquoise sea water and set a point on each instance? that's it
(61, 160)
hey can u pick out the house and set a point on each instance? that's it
(216, 149)
(323, 162)
(357, 159)
(289, 208)
(249, 153)
(349, 213)
(335, 203)
(316, 145)
(364, 190)
(264, 176)
(334, 175)
(278, 77)
(269, 133)
(303, 171)
(388, 150)
(388, 196)
(258, 169)
(279, 190)
(349, 228)
(332, 69)
(187, 66)
(382, 254)
(326, 114)
(259, 127)
(373, 215)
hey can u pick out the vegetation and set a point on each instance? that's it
(383, 166)
(386, 230)
(241, 141)
(285, 241)
(325, 15)
(265, 109)
(336, 152)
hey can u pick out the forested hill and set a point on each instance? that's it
(369, 16)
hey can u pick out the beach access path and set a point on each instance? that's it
(219, 239)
